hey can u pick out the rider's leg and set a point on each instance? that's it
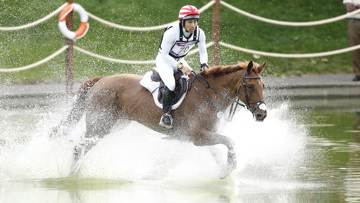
(167, 75)
(166, 119)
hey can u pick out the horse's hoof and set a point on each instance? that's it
(80, 151)
(231, 165)
(226, 172)
(78, 155)
(75, 167)
(231, 161)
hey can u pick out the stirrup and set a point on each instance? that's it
(169, 124)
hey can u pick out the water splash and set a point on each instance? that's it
(269, 152)
(266, 151)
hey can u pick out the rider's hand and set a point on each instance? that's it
(186, 70)
(204, 66)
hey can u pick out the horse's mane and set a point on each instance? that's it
(223, 70)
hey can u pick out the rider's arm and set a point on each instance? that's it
(350, 6)
(186, 64)
(202, 48)
(166, 45)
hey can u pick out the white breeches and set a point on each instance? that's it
(166, 72)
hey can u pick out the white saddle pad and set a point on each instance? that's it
(153, 87)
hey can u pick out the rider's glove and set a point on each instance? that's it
(203, 66)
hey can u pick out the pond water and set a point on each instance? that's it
(298, 154)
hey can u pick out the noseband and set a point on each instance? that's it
(235, 101)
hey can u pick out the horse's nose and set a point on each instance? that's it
(260, 115)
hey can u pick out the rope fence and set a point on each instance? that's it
(286, 23)
(21, 27)
(123, 27)
(37, 63)
(114, 60)
(202, 9)
(279, 55)
(92, 55)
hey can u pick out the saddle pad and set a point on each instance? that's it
(155, 85)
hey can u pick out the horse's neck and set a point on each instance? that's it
(227, 83)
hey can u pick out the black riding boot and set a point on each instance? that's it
(166, 119)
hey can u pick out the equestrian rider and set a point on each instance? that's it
(178, 39)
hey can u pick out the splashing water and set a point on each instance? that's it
(266, 151)
(269, 152)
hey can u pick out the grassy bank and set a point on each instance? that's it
(20, 48)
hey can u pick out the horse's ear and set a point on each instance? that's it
(261, 67)
(250, 66)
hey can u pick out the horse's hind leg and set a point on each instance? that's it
(98, 124)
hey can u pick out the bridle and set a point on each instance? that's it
(235, 101)
(248, 102)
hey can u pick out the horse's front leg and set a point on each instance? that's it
(206, 138)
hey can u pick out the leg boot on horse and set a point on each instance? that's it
(166, 119)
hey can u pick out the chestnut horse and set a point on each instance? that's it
(109, 98)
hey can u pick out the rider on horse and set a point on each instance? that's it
(176, 42)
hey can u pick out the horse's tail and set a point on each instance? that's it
(77, 110)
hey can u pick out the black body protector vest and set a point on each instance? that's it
(182, 45)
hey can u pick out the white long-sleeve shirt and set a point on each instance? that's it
(173, 48)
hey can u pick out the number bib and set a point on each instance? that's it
(181, 49)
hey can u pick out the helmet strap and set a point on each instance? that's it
(183, 23)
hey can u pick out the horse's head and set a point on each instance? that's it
(251, 90)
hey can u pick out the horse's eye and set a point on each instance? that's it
(250, 87)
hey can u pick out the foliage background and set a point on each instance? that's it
(20, 48)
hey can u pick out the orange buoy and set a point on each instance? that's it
(84, 25)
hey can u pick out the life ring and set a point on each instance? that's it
(84, 25)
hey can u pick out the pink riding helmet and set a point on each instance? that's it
(188, 12)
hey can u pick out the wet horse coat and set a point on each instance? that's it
(109, 98)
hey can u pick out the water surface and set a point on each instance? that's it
(298, 154)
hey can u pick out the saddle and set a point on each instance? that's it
(152, 81)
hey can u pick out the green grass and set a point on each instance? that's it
(20, 48)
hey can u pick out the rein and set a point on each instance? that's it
(235, 101)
